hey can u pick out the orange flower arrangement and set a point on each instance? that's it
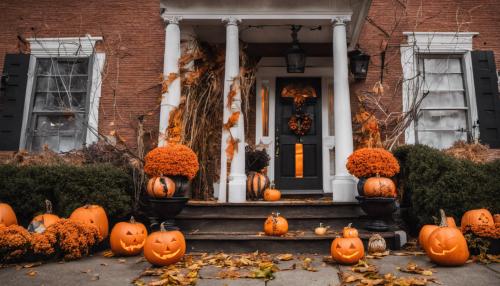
(14, 242)
(172, 160)
(369, 162)
(484, 230)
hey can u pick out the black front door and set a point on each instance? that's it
(298, 164)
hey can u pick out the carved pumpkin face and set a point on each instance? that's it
(275, 225)
(347, 250)
(161, 187)
(93, 215)
(271, 194)
(128, 238)
(424, 234)
(165, 247)
(41, 222)
(349, 231)
(477, 217)
(379, 187)
(7, 215)
(447, 246)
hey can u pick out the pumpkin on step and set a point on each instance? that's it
(379, 187)
(7, 215)
(349, 231)
(161, 187)
(275, 225)
(376, 244)
(94, 215)
(41, 222)
(476, 218)
(128, 238)
(348, 250)
(165, 247)
(271, 194)
(447, 245)
(256, 184)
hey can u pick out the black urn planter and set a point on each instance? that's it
(379, 211)
(182, 186)
(361, 185)
(165, 210)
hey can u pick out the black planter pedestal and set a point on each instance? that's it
(379, 211)
(165, 210)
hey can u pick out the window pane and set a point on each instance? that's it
(442, 65)
(52, 142)
(72, 66)
(441, 139)
(444, 99)
(442, 120)
(53, 101)
(51, 123)
(443, 82)
(264, 101)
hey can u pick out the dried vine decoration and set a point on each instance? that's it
(300, 124)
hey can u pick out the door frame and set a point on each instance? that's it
(266, 77)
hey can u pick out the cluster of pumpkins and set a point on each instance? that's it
(258, 187)
(445, 244)
(161, 248)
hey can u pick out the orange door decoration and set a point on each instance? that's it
(128, 238)
(94, 215)
(41, 222)
(476, 218)
(276, 225)
(7, 215)
(446, 245)
(348, 250)
(164, 247)
(161, 187)
(379, 187)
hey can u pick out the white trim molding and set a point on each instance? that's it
(67, 47)
(435, 43)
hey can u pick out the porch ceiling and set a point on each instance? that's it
(267, 21)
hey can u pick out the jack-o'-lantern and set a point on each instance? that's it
(447, 245)
(424, 234)
(161, 187)
(496, 218)
(7, 215)
(256, 184)
(476, 218)
(347, 250)
(94, 215)
(128, 238)
(165, 247)
(379, 187)
(41, 222)
(275, 225)
(349, 231)
(272, 194)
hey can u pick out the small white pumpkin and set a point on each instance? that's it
(321, 230)
(376, 244)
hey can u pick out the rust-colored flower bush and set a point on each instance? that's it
(369, 162)
(43, 244)
(14, 242)
(171, 160)
(484, 230)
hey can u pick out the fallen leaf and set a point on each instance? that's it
(285, 257)
(108, 253)
(31, 265)
(95, 277)
(32, 273)
(412, 267)
(121, 260)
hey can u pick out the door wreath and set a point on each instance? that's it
(300, 123)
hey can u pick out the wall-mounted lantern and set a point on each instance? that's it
(295, 55)
(359, 64)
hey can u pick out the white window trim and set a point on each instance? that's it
(67, 47)
(437, 43)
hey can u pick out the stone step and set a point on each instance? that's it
(294, 242)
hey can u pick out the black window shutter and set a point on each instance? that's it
(487, 97)
(12, 95)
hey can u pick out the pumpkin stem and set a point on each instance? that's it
(48, 206)
(132, 219)
(162, 226)
(349, 225)
(443, 222)
(320, 224)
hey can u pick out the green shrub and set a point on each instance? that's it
(25, 188)
(431, 180)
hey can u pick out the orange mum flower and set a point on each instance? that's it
(172, 160)
(369, 162)
(14, 242)
(484, 230)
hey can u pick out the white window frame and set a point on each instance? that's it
(67, 47)
(434, 43)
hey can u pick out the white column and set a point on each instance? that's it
(344, 185)
(171, 99)
(236, 191)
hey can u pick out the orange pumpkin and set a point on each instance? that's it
(7, 215)
(276, 225)
(161, 187)
(94, 215)
(476, 218)
(496, 218)
(424, 234)
(447, 245)
(164, 247)
(41, 222)
(451, 221)
(348, 250)
(379, 187)
(256, 184)
(349, 231)
(128, 238)
(272, 194)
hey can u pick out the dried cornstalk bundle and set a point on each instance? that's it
(474, 152)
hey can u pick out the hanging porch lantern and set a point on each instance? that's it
(359, 64)
(295, 55)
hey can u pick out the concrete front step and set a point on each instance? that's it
(294, 242)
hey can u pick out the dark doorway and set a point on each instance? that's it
(298, 154)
